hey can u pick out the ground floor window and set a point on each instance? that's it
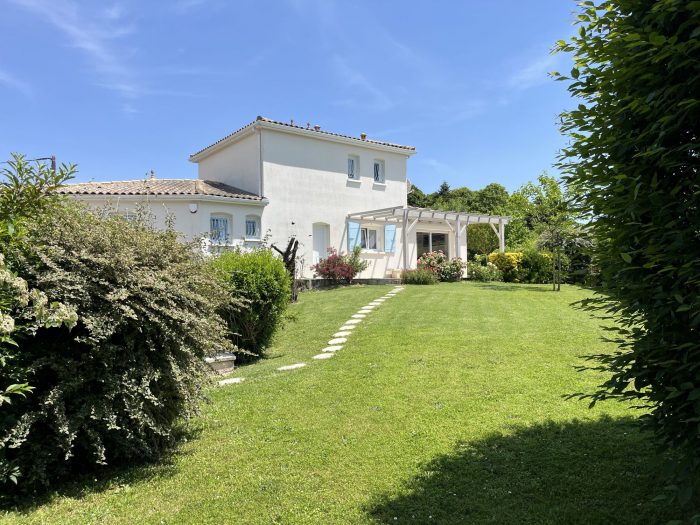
(431, 242)
(252, 227)
(368, 239)
(220, 228)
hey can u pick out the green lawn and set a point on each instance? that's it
(447, 405)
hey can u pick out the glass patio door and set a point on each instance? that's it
(431, 242)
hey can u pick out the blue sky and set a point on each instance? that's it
(123, 87)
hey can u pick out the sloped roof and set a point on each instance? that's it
(303, 130)
(159, 187)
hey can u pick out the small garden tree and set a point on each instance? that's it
(634, 165)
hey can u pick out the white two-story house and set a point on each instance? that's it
(271, 181)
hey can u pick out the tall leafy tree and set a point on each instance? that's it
(633, 163)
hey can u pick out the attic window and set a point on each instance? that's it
(353, 167)
(379, 171)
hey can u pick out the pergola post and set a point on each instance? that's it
(457, 234)
(501, 236)
(404, 230)
(466, 246)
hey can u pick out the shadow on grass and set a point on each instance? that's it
(107, 478)
(604, 471)
(510, 287)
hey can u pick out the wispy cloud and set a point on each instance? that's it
(534, 73)
(370, 95)
(99, 34)
(10, 81)
(95, 34)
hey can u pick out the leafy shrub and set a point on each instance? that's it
(340, 268)
(452, 270)
(509, 263)
(536, 267)
(433, 261)
(633, 162)
(485, 273)
(114, 389)
(419, 277)
(438, 263)
(26, 191)
(259, 288)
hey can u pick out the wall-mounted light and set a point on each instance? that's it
(193, 207)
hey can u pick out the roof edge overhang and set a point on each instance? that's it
(177, 197)
(293, 130)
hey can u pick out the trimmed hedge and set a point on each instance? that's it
(260, 280)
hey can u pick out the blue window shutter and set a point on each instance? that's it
(390, 238)
(353, 235)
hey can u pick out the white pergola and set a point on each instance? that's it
(457, 222)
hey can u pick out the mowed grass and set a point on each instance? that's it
(447, 405)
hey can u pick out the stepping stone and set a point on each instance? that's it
(374, 304)
(348, 327)
(337, 341)
(370, 306)
(291, 367)
(323, 356)
(353, 321)
(232, 381)
(344, 333)
(333, 348)
(358, 316)
(363, 311)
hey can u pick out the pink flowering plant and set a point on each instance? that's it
(437, 262)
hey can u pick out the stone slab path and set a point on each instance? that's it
(339, 338)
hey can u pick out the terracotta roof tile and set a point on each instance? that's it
(294, 126)
(158, 187)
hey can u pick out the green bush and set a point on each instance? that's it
(261, 281)
(535, 267)
(633, 164)
(487, 272)
(438, 263)
(116, 388)
(419, 277)
(509, 264)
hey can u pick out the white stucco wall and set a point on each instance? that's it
(237, 164)
(306, 182)
(190, 225)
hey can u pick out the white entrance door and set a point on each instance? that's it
(321, 233)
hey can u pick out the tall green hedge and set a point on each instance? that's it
(115, 388)
(634, 163)
(259, 288)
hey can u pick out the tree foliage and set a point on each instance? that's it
(633, 165)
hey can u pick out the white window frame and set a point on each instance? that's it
(256, 220)
(365, 239)
(378, 171)
(354, 173)
(228, 227)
